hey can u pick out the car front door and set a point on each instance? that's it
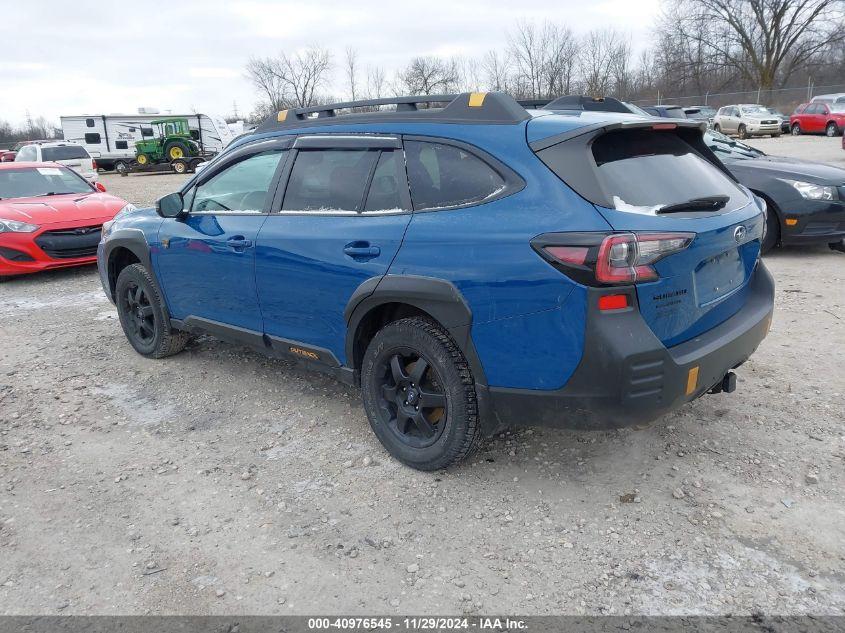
(206, 258)
(815, 118)
(338, 220)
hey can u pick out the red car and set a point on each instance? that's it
(50, 217)
(817, 118)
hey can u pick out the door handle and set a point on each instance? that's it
(238, 243)
(361, 250)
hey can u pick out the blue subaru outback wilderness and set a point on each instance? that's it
(470, 264)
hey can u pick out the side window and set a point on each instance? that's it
(447, 176)
(328, 180)
(384, 193)
(92, 139)
(147, 131)
(28, 153)
(240, 187)
(121, 145)
(89, 122)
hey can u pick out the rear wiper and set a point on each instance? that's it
(707, 203)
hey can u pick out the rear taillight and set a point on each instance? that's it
(599, 259)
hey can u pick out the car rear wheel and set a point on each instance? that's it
(717, 128)
(831, 129)
(796, 129)
(143, 316)
(120, 167)
(742, 132)
(419, 395)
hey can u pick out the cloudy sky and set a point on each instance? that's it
(93, 57)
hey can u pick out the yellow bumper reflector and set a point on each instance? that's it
(476, 99)
(692, 380)
(283, 114)
(791, 221)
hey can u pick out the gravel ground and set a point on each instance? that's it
(219, 481)
(819, 148)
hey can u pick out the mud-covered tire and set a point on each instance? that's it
(137, 298)
(447, 375)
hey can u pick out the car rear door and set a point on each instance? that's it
(206, 259)
(337, 221)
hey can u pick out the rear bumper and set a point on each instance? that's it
(627, 377)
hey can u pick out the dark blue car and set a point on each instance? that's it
(470, 264)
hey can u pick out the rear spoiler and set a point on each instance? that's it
(603, 128)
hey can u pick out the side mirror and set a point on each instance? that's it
(170, 206)
(100, 187)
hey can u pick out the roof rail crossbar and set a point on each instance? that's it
(490, 108)
(533, 103)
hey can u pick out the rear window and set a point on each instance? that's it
(676, 113)
(640, 170)
(63, 152)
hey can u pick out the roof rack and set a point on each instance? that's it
(470, 107)
(533, 103)
(581, 102)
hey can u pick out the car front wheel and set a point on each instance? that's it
(419, 395)
(772, 236)
(143, 316)
(742, 132)
(796, 129)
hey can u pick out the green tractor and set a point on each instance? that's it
(173, 142)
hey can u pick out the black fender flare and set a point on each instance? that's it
(437, 297)
(135, 242)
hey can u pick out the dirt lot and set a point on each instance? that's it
(219, 481)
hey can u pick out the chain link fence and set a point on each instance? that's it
(784, 99)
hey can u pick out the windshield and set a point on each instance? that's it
(26, 182)
(836, 107)
(754, 109)
(726, 147)
(63, 152)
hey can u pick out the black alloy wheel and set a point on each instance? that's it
(412, 404)
(139, 313)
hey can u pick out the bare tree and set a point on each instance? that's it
(376, 82)
(496, 71)
(765, 41)
(427, 76)
(291, 80)
(351, 68)
(543, 59)
(261, 72)
(604, 54)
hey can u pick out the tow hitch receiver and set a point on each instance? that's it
(727, 385)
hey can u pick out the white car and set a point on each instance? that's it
(836, 97)
(70, 155)
(746, 119)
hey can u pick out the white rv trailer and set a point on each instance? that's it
(110, 138)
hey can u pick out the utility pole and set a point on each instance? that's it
(235, 109)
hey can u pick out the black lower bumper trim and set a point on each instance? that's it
(627, 377)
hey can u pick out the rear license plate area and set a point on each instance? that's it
(718, 276)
